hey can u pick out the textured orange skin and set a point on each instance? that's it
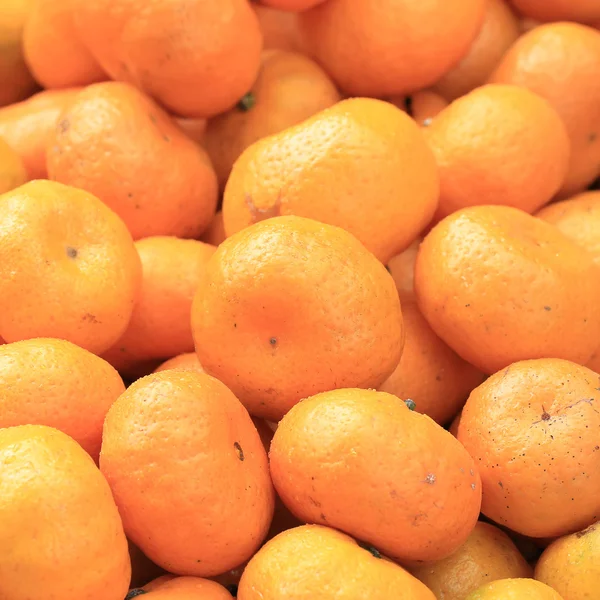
(560, 62)
(570, 564)
(578, 218)
(500, 29)
(197, 59)
(55, 383)
(279, 28)
(160, 326)
(584, 11)
(28, 127)
(514, 589)
(289, 89)
(17, 81)
(215, 233)
(358, 460)
(385, 203)
(188, 588)
(487, 555)
(499, 144)
(188, 361)
(498, 286)
(533, 431)
(290, 307)
(291, 5)
(56, 56)
(44, 291)
(402, 269)
(60, 532)
(118, 144)
(430, 372)
(186, 498)
(12, 168)
(318, 563)
(386, 47)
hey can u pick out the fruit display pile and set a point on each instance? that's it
(300, 299)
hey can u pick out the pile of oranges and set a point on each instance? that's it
(300, 299)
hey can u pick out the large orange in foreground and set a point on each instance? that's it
(498, 285)
(68, 267)
(532, 429)
(362, 462)
(290, 307)
(60, 531)
(189, 473)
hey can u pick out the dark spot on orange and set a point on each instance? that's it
(63, 125)
(247, 102)
(239, 451)
(273, 341)
(71, 252)
(583, 533)
(547, 308)
(411, 404)
(370, 549)
(90, 318)
(592, 137)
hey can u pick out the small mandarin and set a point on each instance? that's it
(487, 555)
(188, 472)
(59, 527)
(385, 204)
(532, 429)
(296, 563)
(289, 307)
(514, 589)
(69, 267)
(499, 285)
(570, 564)
(336, 458)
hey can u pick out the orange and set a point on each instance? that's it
(12, 169)
(386, 47)
(197, 59)
(500, 29)
(187, 588)
(430, 373)
(585, 11)
(514, 589)
(116, 143)
(578, 218)
(54, 53)
(336, 460)
(69, 268)
(17, 81)
(498, 286)
(188, 361)
(570, 564)
(532, 429)
(290, 307)
(59, 527)
(317, 562)
(188, 472)
(290, 88)
(487, 555)
(280, 28)
(560, 62)
(385, 203)
(215, 232)
(402, 269)
(499, 144)
(28, 127)
(160, 323)
(56, 383)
